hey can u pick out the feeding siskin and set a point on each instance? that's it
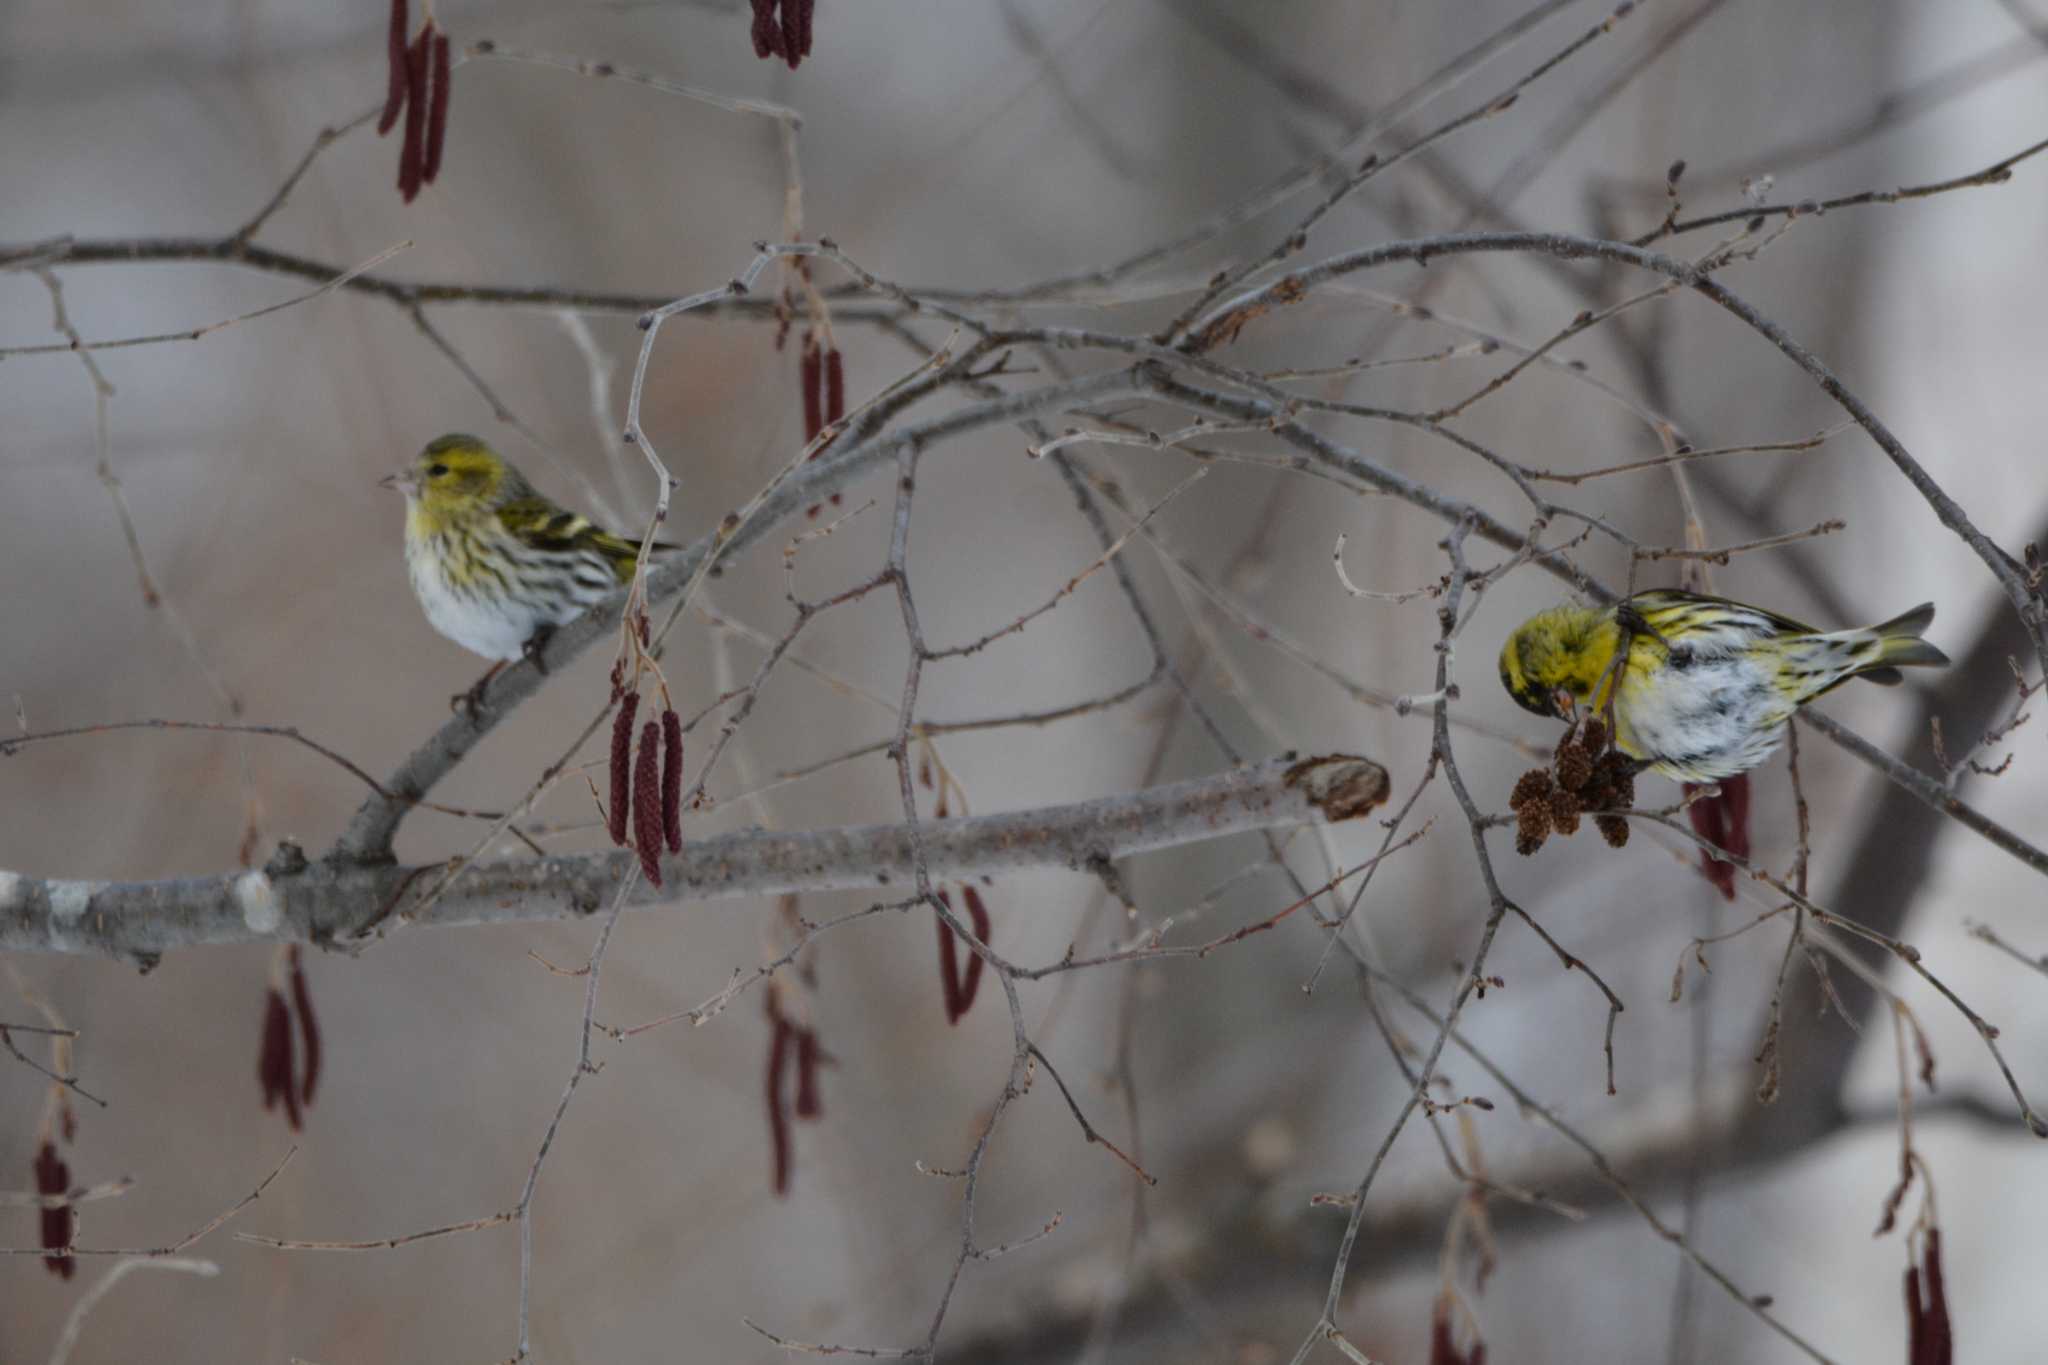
(495, 564)
(1709, 684)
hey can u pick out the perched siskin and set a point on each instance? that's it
(1709, 684)
(496, 565)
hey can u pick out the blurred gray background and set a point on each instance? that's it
(985, 145)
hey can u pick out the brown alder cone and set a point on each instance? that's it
(1564, 812)
(1534, 785)
(1574, 766)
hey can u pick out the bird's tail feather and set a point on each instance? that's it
(1899, 645)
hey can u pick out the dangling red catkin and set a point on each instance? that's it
(835, 370)
(808, 1103)
(409, 155)
(767, 30)
(797, 14)
(812, 381)
(274, 1062)
(647, 802)
(621, 766)
(53, 1176)
(309, 1028)
(778, 1119)
(672, 779)
(977, 911)
(835, 386)
(949, 964)
(437, 109)
(394, 92)
(792, 33)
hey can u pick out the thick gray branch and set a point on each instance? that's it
(296, 901)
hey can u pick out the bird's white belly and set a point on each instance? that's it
(1712, 719)
(481, 620)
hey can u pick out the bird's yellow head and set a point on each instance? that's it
(455, 478)
(1561, 651)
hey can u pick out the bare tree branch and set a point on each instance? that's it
(295, 901)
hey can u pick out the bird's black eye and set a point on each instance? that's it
(435, 471)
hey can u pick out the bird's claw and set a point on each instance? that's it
(471, 703)
(536, 646)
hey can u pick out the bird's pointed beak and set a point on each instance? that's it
(405, 481)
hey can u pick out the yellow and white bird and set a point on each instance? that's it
(1708, 684)
(496, 565)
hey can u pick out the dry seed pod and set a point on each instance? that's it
(621, 768)
(1594, 737)
(1574, 766)
(1534, 785)
(647, 802)
(1613, 829)
(1532, 826)
(1617, 772)
(1564, 812)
